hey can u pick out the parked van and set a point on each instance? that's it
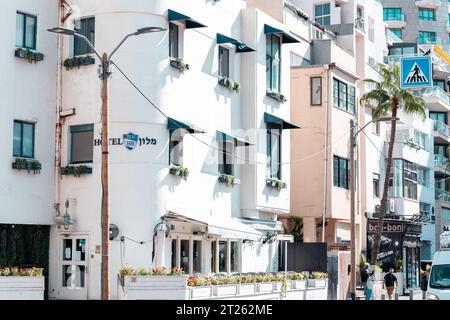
(439, 280)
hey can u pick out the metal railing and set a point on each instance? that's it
(442, 128)
(441, 195)
(394, 17)
(436, 40)
(393, 37)
(440, 161)
(435, 91)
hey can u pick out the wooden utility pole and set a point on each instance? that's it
(352, 213)
(105, 180)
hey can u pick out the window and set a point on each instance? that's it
(273, 62)
(421, 139)
(23, 139)
(393, 14)
(176, 147)
(359, 23)
(397, 32)
(174, 253)
(441, 149)
(448, 22)
(316, 91)
(224, 62)
(226, 151)
(184, 255)
(344, 96)
(234, 256)
(81, 143)
(409, 180)
(87, 29)
(322, 13)
(423, 176)
(375, 125)
(173, 40)
(26, 29)
(371, 29)
(213, 256)
(426, 37)
(222, 256)
(376, 185)
(274, 152)
(439, 116)
(427, 14)
(402, 50)
(197, 256)
(341, 172)
(439, 83)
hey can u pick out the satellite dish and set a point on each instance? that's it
(113, 231)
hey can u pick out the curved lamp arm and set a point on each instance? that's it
(88, 43)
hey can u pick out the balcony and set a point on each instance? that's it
(395, 21)
(441, 132)
(359, 25)
(435, 40)
(440, 165)
(442, 196)
(435, 98)
(392, 37)
(431, 4)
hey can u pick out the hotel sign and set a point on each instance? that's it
(128, 140)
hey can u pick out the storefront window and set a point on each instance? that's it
(213, 256)
(184, 255)
(174, 253)
(412, 267)
(222, 256)
(234, 256)
(197, 256)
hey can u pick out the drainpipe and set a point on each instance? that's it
(325, 163)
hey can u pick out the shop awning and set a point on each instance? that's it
(278, 122)
(285, 38)
(173, 124)
(240, 46)
(225, 227)
(188, 21)
(221, 136)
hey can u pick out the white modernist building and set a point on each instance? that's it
(197, 184)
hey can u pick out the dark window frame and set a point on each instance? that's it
(376, 185)
(27, 15)
(21, 155)
(347, 98)
(173, 143)
(424, 14)
(222, 49)
(80, 47)
(77, 129)
(338, 181)
(273, 130)
(270, 59)
(224, 166)
(312, 79)
(174, 44)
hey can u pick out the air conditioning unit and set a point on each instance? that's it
(391, 205)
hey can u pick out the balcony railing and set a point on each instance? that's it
(440, 161)
(393, 37)
(435, 91)
(359, 24)
(441, 195)
(394, 17)
(436, 40)
(442, 128)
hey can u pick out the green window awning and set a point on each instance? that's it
(173, 124)
(285, 38)
(188, 21)
(222, 136)
(275, 122)
(240, 46)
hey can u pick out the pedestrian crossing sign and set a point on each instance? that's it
(416, 72)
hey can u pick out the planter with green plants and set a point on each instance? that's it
(225, 286)
(247, 284)
(317, 279)
(179, 64)
(229, 179)
(298, 280)
(21, 283)
(75, 171)
(230, 84)
(281, 98)
(27, 164)
(200, 287)
(77, 62)
(179, 171)
(276, 183)
(155, 277)
(31, 56)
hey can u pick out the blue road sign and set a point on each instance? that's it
(416, 72)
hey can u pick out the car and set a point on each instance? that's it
(439, 279)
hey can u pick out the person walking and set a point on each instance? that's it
(369, 285)
(390, 283)
(364, 277)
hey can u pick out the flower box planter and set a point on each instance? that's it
(265, 287)
(201, 292)
(179, 64)
(77, 62)
(22, 288)
(155, 287)
(25, 164)
(276, 183)
(317, 283)
(31, 56)
(228, 179)
(225, 290)
(179, 171)
(247, 288)
(277, 96)
(75, 171)
(298, 284)
(230, 84)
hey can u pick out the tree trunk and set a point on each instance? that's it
(383, 204)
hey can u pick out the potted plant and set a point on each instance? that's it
(247, 284)
(179, 64)
(179, 171)
(317, 279)
(77, 62)
(236, 86)
(228, 179)
(298, 280)
(31, 56)
(276, 183)
(29, 165)
(265, 283)
(277, 96)
(200, 287)
(75, 171)
(225, 286)
(21, 283)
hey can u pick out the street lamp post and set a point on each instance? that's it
(104, 76)
(353, 135)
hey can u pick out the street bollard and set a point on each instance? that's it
(383, 296)
(411, 295)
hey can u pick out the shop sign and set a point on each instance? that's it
(413, 229)
(128, 140)
(388, 226)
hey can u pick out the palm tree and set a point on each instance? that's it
(388, 98)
